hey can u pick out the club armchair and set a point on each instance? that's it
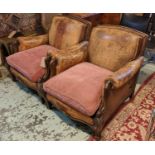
(91, 91)
(32, 65)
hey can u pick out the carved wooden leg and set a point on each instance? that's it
(97, 135)
(98, 131)
(13, 78)
(50, 64)
(98, 127)
(42, 95)
(46, 103)
(131, 96)
(42, 100)
(10, 74)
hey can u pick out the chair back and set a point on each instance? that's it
(112, 46)
(66, 31)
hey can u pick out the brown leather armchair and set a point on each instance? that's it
(90, 92)
(32, 65)
(27, 43)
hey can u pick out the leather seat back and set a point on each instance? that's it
(65, 32)
(112, 47)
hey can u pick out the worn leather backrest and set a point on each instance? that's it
(65, 32)
(142, 35)
(111, 47)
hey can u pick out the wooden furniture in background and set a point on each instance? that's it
(94, 18)
(99, 18)
(111, 18)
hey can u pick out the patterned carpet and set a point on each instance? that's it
(131, 122)
(24, 117)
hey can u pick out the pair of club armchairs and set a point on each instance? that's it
(86, 80)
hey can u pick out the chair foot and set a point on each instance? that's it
(13, 78)
(47, 105)
(44, 101)
(43, 96)
(97, 135)
(97, 132)
(98, 126)
(50, 106)
(131, 96)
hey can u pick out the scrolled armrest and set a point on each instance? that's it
(71, 56)
(123, 75)
(32, 41)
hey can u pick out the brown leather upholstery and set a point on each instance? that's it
(65, 32)
(70, 111)
(71, 56)
(143, 37)
(111, 48)
(34, 64)
(32, 41)
(123, 75)
(26, 81)
(114, 98)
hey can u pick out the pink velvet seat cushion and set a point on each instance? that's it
(28, 62)
(80, 87)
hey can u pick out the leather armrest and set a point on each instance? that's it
(32, 41)
(123, 75)
(71, 56)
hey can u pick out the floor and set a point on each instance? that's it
(24, 117)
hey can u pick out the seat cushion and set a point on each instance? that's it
(79, 87)
(28, 62)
